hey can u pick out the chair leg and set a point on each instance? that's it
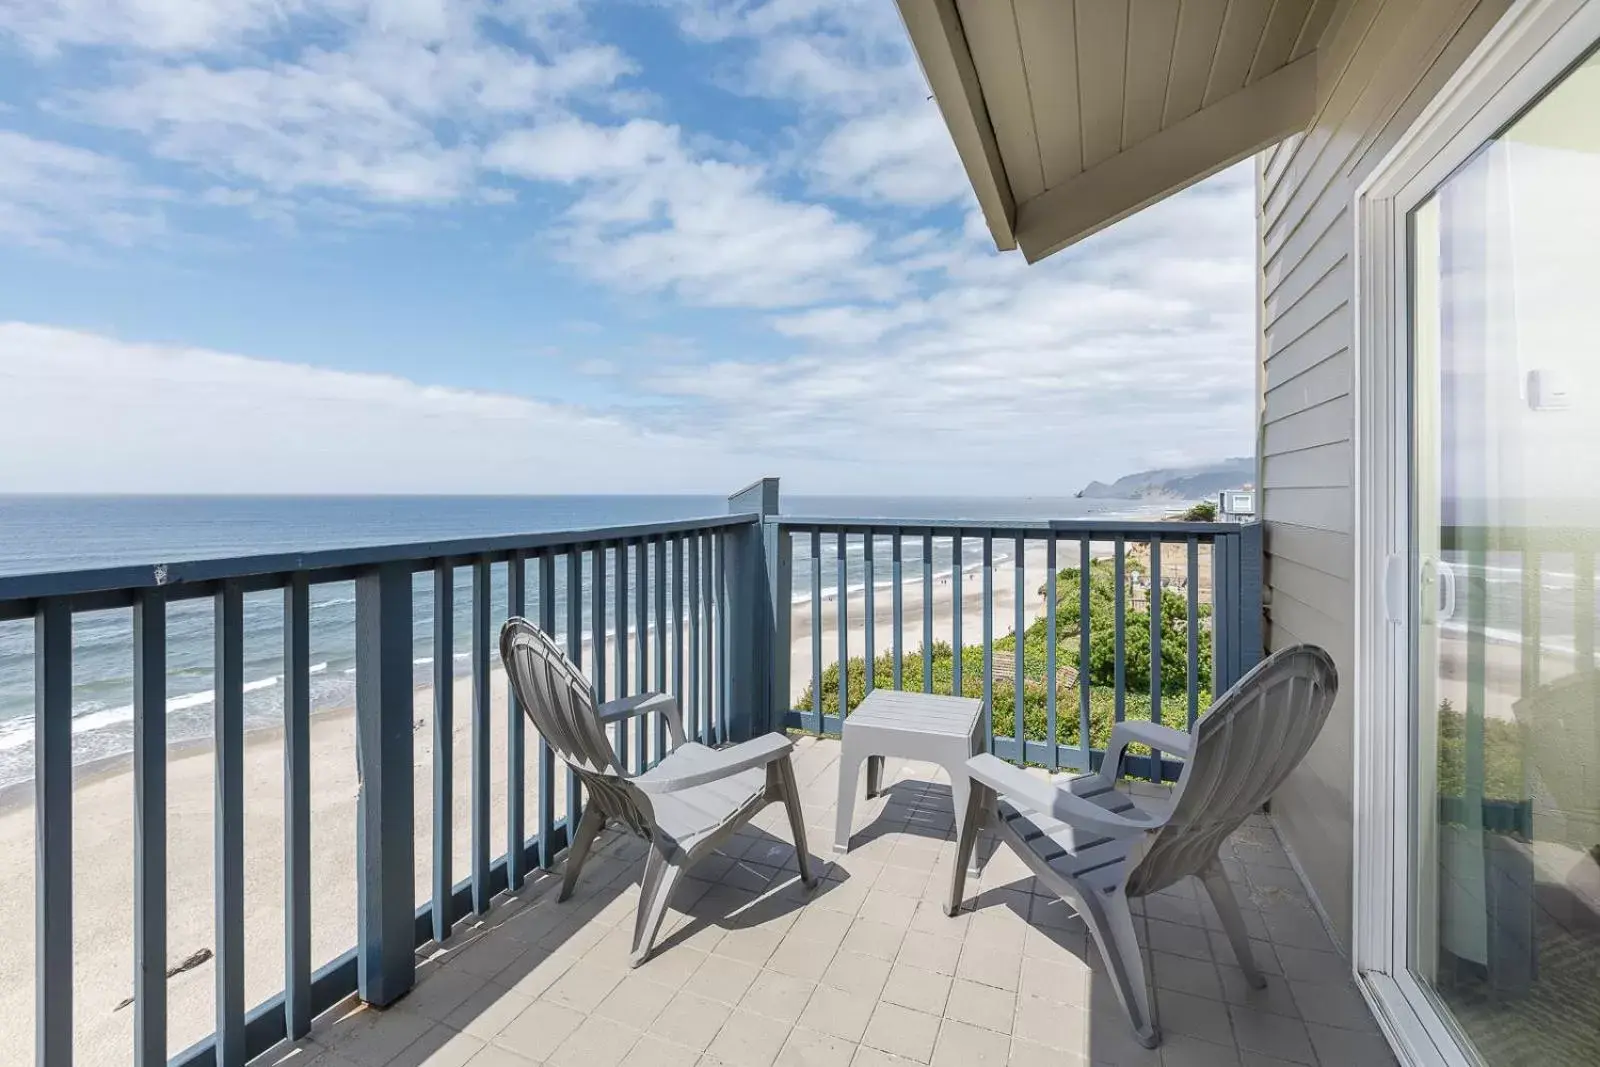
(588, 828)
(972, 822)
(661, 877)
(1111, 923)
(849, 781)
(1227, 905)
(784, 770)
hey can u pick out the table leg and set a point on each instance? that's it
(874, 776)
(849, 776)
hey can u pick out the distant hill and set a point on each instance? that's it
(1177, 483)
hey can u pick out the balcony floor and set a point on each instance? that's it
(864, 971)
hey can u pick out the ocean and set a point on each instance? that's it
(43, 534)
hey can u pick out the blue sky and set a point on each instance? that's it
(538, 246)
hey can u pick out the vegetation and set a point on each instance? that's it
(1205, 511)
(1502, 756)
(1099, 675)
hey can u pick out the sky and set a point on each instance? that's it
(540, 246)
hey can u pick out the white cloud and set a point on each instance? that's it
(51, 191)
(80, 412)
(45, 26)
(653, 215)
(391, 105)
(899, 156)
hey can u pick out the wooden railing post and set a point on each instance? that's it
(1251, 641)
(385, 839)
(752, 652)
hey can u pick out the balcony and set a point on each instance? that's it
(746, 618)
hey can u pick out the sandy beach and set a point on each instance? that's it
(103, 833)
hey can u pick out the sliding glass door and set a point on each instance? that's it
(1503, 930)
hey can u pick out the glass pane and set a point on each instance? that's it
(1506, 521)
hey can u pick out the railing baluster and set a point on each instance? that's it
(897, 596)
(1085, 559)
(296, 807)
(575, 654)
(52, 798)
(696, 724)
(927, 612)
(1193, 582)
(709, 670)
(957, 606)
(229, 828)
(1053, 755)
(1119, 668)
(1154, 607)
(620, 612)
(444, 719)
(661, 641)
(641, 652)
(547, 758)
(150, 828)
(840, 547)
(816, 628)
(480, 735)
(869, 609)
(1019, 716)
(516, 752)
(1532, 617)
(988, 637)
(679, 681)
(597, 624)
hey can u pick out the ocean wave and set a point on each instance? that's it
(333, 602)
(18, 732)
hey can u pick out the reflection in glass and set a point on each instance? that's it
(1506, 523)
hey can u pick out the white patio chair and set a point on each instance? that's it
(690, 802)
(1096, 846)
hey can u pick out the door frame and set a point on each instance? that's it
(1531, 46)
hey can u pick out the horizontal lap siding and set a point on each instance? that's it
(1381, 62)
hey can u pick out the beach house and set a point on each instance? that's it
(313, 881)
(1425, 178)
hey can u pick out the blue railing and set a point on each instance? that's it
(702, 608)
(891, 557)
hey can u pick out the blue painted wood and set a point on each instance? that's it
(957, 610)
(988, 637)
(1192, 583)
(1051, 684)
(1154, 608)
(296, 806)
(598, 559)
(1247, 596)
(547, 761)
(229, 824)
(1119, 670)
(385, 762)
(187, 580)
(1019, 623)
(575, 654)
(841, 547)
(619, 626)
(444, 718)
(680, 681)
(897, 598)
(481, 697)
(870, 607)
(1085, 564)
(516, 740)
(695, 727)
(750, 616)
(779, 544)
(641, 651)
(927, 612)
(709, 667)
(660, 546)
(816, 630)
(150, 829)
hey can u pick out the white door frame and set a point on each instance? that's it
(1531, 46)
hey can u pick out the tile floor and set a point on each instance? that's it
(864, 971)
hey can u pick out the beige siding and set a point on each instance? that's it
(1381, 62)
